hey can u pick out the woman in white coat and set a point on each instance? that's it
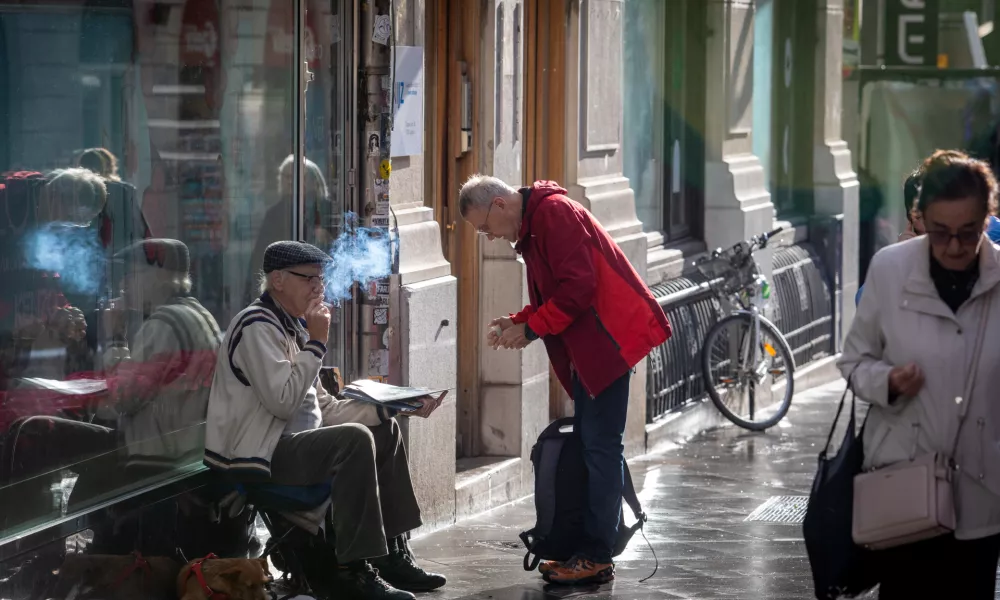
(909, 354)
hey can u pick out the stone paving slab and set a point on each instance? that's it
(698, 497)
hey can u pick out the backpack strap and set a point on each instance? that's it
(553, 428)
(630, 498)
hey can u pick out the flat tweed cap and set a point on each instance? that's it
(282, 255)
(167, 254)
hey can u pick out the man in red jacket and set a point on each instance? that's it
(597, 319)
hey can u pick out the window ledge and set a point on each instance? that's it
(669, 260)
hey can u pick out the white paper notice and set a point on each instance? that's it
(407, 137)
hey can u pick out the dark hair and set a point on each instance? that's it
(953, 175)
(911, 189)
(100, 161)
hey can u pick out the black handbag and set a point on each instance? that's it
(839, 566)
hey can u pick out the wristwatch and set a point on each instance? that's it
(529, 334)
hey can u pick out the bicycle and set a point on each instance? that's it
(752, 347)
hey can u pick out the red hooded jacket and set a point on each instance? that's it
(593, 311)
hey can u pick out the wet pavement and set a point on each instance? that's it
(698, 497)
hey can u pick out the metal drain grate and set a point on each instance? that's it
(781, 509)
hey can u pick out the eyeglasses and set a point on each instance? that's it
(312, 279)
(482, 229)
(967, 237)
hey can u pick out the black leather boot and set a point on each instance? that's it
(401, 570)
(362, 582)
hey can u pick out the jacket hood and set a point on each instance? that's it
(539, 191)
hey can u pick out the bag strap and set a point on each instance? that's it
(970, 381)
(630, 497)
(836, 418)
(552, 430)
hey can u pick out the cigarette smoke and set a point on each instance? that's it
(360, 255)
(72, 251)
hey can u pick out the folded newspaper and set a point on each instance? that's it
(407, 399)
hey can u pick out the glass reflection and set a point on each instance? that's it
(139, 158)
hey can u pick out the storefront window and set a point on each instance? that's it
(141, 153)
(763, 59)
(644, 104)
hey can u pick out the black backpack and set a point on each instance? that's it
(561, 498)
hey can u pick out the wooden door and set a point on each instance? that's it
(455, 46)
(545, 121)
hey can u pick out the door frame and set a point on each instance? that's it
(455, 43)
(545, 32)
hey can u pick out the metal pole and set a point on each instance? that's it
(374, 125)
(299, 114)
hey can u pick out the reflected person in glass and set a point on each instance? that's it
(160, 379)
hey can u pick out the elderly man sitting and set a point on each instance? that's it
(270, 418)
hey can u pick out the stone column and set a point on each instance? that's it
(594, 168)
(423, 311)
(836, 184)
(737, 203)
(513, 401)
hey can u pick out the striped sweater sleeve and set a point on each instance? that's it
(338, 411)
(259, 359)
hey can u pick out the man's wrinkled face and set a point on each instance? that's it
(495, 221)
(298, 286)
(954, 229)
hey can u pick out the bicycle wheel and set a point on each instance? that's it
(741, 376)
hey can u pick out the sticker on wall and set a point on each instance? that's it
(382, 30)
(376, 289)
(379, 221)
(378, 378)
(381, 187)
(378, 362)
(381, 316)
(386, 82)
(386, 336)
(385, 168)
(374, 145)
(335, 33)
(369, 209)
(382, 205)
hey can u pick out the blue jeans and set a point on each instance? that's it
(601, 424)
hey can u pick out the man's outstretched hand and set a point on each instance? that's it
(513, 338)
(430, 405)
(495, 329)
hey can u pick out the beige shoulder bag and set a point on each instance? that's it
(913, 500)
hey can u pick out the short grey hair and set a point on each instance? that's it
(314, 180)
(184, 284)
(177, 284)
(265, 282)
(480, 190)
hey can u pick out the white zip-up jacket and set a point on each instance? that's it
(264, 370)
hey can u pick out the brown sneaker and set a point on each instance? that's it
(549, 565)
(580, 571)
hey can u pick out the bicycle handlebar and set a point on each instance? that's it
(758, 240)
